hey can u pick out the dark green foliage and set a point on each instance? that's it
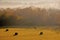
(3, 20)
(10, 21)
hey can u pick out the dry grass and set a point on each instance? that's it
(29, 34)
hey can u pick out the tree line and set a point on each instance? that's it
(29, 16)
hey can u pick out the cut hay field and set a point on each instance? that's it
(29, 34)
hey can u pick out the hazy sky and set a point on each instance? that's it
(24, 3)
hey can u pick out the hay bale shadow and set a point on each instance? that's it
(41, 33)
(15, 34)
(6, 30)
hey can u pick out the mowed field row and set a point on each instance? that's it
(29, 34)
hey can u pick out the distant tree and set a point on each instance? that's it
(3, 20)
(11, 20)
